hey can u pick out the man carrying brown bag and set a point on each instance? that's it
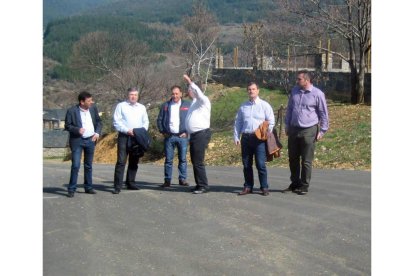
(250, 116)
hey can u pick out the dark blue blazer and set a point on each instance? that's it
(163, 120)
(73, 123)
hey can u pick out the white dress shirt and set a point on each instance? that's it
(87, 123)
(198, 116)
(129, 116)
(175, 117)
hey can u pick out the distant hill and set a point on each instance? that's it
(68, 20)
(56, 9)
(165, 11)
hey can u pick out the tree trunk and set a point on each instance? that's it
(361, 78)
(354, 72)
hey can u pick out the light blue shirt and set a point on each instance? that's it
(129, 116)
(250, 115)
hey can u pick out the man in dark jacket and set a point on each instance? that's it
(171, 123)
(84, 126)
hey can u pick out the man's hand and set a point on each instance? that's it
(237, 142)
(319, 137)
(95, 137)
(183, 135)
(187, 78)
(81, 131)
(130, 132)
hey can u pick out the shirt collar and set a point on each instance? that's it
(177, 103)
(129, 103)
(83, 110)
(255, 101)
(306, 90)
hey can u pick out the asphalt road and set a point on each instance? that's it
(173, 232)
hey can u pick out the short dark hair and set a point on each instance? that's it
(174, 87)
(250, 83)
(134, 88)
(83, 95)
(306, 74)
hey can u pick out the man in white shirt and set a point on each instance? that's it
(84, 126)
(197, 124)
(171, 123)
(128, 115)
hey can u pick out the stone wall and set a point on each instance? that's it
(336, 85)
(55, 152)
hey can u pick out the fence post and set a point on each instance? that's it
(280, 120)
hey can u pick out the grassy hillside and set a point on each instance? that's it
(347, 144)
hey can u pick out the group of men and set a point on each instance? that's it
(182, 122)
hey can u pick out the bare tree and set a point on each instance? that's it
(196, 41)
(253, 43)
(119, 61)
(349, 20)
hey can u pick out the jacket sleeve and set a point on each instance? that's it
(98, 121)
(70, 122)
(160, 119)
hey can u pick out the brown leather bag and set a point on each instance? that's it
(261, 131)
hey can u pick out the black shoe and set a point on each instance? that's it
(132, 187)
(167, 183)
(182, 182)
(292, 188)
(200, 190)
(302, 190)
(196, 187)
(71, 194)
(116, 191)
(90, 191)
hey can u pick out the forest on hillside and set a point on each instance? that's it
(109, 45)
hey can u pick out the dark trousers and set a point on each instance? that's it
(123, 152)
(253, 147)
(301, 146)
(88, 148)
(198, 143)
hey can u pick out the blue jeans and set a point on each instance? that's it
(251, 146)
(88, 147)
(169, 145)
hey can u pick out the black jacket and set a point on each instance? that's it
(163, 120)
(73, 123)
(140, 143)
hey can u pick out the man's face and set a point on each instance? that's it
(133, 97)
(301, 81)
(87, 103)
(176, 94)
(252, 91)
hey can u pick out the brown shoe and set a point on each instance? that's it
(245, 191)
(182, 182)
(167, 183)
(265, 192)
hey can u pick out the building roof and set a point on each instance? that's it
(54, 114)
(55, 138)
